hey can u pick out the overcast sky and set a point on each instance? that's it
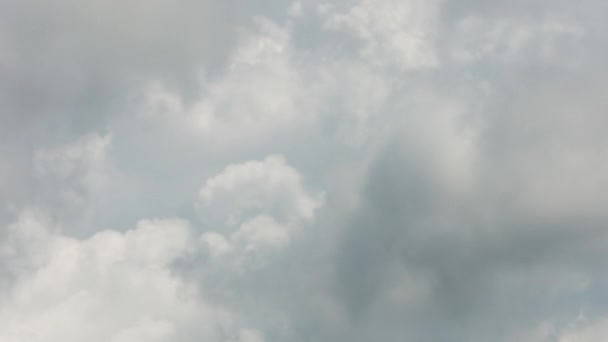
(303, 171)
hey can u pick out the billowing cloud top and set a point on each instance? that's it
(355, 170)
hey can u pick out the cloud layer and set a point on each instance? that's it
(356, 170)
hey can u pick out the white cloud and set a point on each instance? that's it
(270, 186)
(399, 33)
(110, 287)
(258, 206)
(293, 93)
(231, 108)
(261, 230)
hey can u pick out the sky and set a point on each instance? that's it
(303, 171)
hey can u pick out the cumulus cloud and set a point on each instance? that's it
(303, 171)
(397, 33)
(112, 286)
(258, 206)
(270, 186)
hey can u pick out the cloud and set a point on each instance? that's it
(584, 331)
(302, 171)
(510, 41)
(396, 33)
(270, 186)
(110, 287)
(82, 163)
(257, 207)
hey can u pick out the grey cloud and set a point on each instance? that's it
(459, 146)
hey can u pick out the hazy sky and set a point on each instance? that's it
(303, 171)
